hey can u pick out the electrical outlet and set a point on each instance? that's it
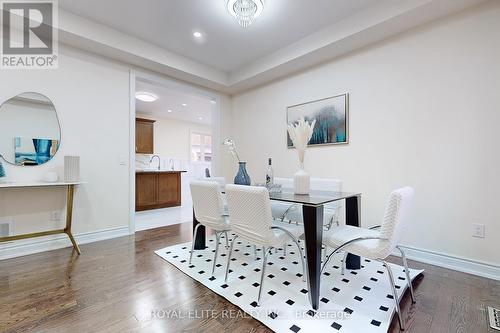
(478, 230)
(55, 216)
(6, 228)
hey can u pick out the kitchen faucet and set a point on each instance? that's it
(151, 160)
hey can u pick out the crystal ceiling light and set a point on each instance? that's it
(245, 11)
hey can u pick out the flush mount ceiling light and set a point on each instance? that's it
(245, 11)
(184, 104)
(146, 96)
(197, 34)
(169, 111)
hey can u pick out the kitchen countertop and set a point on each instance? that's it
(159, 171)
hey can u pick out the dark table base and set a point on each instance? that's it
(200, 240)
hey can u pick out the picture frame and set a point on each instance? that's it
(332, 119)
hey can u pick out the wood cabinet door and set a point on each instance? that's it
(169, 189)
(144, 136)
(146, 190)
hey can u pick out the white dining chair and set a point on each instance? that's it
(209, 211)
(251, 220)
(220, 180)
(378, 242)
(222, 185)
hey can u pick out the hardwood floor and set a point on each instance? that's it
(120, 285)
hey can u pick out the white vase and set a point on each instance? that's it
(301, 180)
(71, 168)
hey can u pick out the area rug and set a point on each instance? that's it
(358, 301)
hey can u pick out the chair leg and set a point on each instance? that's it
(344, 263)
(263, 273)
(227, 240)
(328, 257)
(255, 252)
(284, 250)
(301, 255)
(192, 245)
(217, 240)
(408, 279)
(395, 294)
(229, 256)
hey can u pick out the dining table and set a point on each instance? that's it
(313, 205)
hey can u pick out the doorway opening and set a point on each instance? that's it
(176, 126)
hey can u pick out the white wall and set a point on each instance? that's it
(424, 112)
(91, 96)
(223, 163)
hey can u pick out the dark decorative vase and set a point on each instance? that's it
(242, 177)
(2, 171)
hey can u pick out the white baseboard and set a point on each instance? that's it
(35, 245)
(483, 269)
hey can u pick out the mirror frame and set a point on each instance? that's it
(58, 125)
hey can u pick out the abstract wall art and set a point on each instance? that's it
(34, 151)
(332, 119)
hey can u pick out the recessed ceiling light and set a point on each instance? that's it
(200, 118)
(197, 34)
(184, 104)
(169, 110)
(146, 96)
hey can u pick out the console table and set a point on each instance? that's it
(69, 210)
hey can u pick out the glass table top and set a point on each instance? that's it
(314, 198)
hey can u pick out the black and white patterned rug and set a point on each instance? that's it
(359, 301)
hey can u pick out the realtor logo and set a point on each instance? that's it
(29, 34)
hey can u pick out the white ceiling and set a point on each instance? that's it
(226, 46)
(289, 36)
(172, 99)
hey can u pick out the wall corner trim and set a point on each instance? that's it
(25, 247)
(483, 269)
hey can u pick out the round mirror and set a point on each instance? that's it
(29, 130)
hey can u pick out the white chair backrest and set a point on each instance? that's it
(396, 215)
(207, 203)
(250, 211)
(220, 180)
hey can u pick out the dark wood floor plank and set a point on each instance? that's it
(117, 284)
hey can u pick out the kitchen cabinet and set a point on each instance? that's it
(157, 189)
(144, 136)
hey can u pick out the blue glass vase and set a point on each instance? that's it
(242, 177)
(2, 170)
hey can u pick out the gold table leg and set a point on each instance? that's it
(66, 230)
(69, 217)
